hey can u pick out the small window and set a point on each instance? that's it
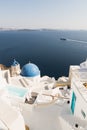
(83, 113)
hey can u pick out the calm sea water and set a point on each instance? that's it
(44, 48)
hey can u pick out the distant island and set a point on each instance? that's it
(24, 29)
(16, 29)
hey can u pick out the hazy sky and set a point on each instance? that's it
(53, 14)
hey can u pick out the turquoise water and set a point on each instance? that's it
(20, 92)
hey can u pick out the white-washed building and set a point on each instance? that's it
(78, 100)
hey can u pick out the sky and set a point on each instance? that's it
(38, 14)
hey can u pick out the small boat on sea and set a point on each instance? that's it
(63, 39)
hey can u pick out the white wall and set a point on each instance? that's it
(81, 104)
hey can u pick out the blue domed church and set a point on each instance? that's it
(30, 70)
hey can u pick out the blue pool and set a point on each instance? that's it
(16, 91)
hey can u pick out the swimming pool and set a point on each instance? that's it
(17, 91)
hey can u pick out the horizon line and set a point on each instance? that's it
(14, 28)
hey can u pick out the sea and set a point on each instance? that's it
(45, 49)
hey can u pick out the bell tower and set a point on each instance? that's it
(15, 68)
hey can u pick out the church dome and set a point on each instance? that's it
(15, 63)
(30, 70)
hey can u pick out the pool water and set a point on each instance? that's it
(20, 92)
